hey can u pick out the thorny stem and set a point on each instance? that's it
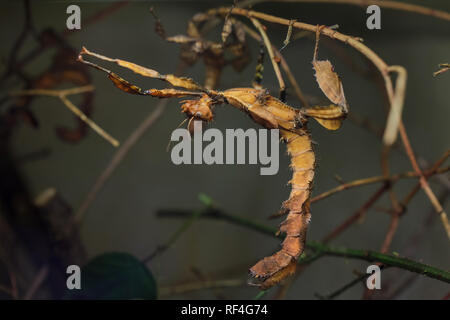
(345, 287)
(320, 248)
(176, 235)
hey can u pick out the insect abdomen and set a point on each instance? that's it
(302, 156)
(276, 267)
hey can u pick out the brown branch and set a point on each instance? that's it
(371, 180)
(410, 249)
(62, 95)
(357, 215)
(444, 67)
(118, 157)
(37, 51)
(322, 249)
(423, 181)
(269, 47)
(364, 3)
(397, 213)
(37, 282)
(396, 99)
(371, 127)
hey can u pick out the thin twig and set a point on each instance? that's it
(364, 3)
(118, 157)
(357, 215)
(36, 52)
(444, 67)
(121, 153)
(371, 180)
(37, 282)
(284, 65)
(344, 288)
(62, 95)
(174, 237)
(269, 47)
(423, 181)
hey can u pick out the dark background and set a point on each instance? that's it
(122, 217)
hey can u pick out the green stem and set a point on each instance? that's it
(320, 249)
(193, 216)
(260, 294)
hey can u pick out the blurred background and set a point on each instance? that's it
(122, 216)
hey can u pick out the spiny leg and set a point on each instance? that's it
(126, 86)
(175, 81)
(330, 117)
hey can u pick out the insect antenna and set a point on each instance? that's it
(170, 141)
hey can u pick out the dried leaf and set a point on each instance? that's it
(329, 82)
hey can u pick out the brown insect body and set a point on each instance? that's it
(271, 113)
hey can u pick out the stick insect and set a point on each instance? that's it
(270, 113)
